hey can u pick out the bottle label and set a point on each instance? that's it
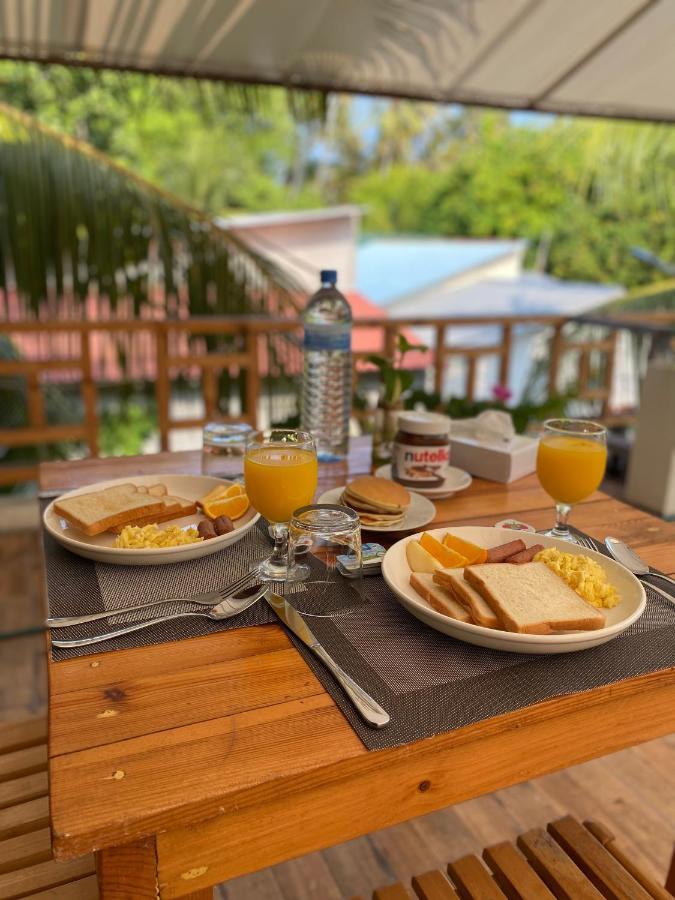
(419, 464)
(328, 337)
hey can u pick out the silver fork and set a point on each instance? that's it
(587, 542)
(207, 599)
(230, 606)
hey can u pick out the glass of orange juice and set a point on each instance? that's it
(280, 472)
(571, 462)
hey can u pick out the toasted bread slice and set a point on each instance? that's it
(174, 508)
(478, 608)
(438, 597)
(98, 511)
(531, 599)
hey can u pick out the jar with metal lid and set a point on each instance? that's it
(421, 450)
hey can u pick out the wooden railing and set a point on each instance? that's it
(182, 344)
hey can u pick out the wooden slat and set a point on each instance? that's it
(513, 874)
(599, 866)
(608, 841)
(25, 850)
(44, 434)
(162, 385)
(16, 474)
(89, 395)
(45, 875)
(24, 818)
(439, 359)
(556, 868)
(433, 886)
(21, 790)
(391, 892)
(82, 889)
(472, 879)
(209, 361)
(128, 871)
(505, 361)
(35, 400)
(23, 762)
(252, 379)
(555, 355)
(470, 388)
(18, 735)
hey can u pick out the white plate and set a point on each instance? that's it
(396, 572)
(100, 547)
(456, 480)
(420, 512)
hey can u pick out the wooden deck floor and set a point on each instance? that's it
(633, 792)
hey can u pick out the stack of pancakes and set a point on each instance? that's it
(378, 501)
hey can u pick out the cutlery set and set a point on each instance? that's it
(629, 559)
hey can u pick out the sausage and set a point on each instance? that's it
(206, 530)
(524, 556)
(499, 554)
(223, 525)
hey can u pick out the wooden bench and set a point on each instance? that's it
(27, 868)
(567, 860)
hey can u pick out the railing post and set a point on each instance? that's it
(554, 358)
(439, 359)
(505, 359)
(89, 393)
(35, 400)
(471, 361)
(162, 387)
(609, 373)
(209, 391)
(252, 375)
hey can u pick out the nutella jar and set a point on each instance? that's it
(421, 450)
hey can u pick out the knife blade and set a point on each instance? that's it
(369, 709)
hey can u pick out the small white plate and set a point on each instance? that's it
(396, 573)
(100, 547)
(456, 480)
(420, 512)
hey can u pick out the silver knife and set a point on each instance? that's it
(368, 709)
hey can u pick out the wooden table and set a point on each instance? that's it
(190, 763)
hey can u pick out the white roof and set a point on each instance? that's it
(598, 57)
(530, 294)
(291, 217)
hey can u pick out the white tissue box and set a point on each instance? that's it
(494, 462)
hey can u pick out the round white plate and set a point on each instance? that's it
(420, 512)
(456, 480)
(396, 572)
(100, 547)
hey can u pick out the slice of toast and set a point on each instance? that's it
(438, 597)
(98, 511)
(471, 600)
(174, 508)
(531, 599)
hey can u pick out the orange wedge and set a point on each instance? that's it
(474, 554)
(222, 490)
(234, 507)
(446, 556)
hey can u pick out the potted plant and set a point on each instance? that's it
(396, 382)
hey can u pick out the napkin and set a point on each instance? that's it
(490, 427)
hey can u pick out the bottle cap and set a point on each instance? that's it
(329, 275)
(424, 423)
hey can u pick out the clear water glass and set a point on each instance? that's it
(324, 541)
(223, 448)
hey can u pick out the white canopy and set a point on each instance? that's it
(596, 57)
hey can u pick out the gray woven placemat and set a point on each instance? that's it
(428, 682)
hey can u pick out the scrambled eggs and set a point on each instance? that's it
(583, 574)
(136, 537)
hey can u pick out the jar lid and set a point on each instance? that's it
(424, 423)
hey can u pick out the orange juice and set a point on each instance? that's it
(279, 480)
(570, 468)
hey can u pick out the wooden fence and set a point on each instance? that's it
(249, 337)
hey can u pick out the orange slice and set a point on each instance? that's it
(446, 556)
(474, 554)
(234, 507)
(222, 490)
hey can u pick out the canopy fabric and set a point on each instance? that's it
(595, 57)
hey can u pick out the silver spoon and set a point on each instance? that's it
(227, 608)
(623, 554)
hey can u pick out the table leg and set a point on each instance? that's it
(129, 872)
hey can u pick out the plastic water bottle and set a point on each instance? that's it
(327, 378)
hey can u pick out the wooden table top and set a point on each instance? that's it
(228, 749)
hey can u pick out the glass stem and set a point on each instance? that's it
(278, 557)
(562, 512)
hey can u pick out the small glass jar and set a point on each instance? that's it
(223, 447)
(421, 454)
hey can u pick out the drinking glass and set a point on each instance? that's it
(223, 447)
(324, 553)
(571, 461)
(280, 473)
